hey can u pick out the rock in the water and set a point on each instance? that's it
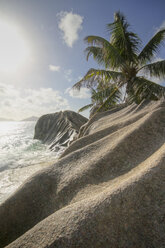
(107, 190)
(58, 129)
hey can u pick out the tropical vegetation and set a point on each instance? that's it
(125, 65)
(100, 95)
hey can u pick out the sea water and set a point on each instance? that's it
(20, 155)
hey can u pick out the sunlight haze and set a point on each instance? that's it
(14, 50)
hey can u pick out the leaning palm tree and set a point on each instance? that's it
(125, 64)
(100, 95)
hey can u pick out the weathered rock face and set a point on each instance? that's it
(58, 129)
(107, 190)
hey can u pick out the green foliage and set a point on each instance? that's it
(152, 47)
(85, 107)
(124, 62)
(125, 41)
(101, 94)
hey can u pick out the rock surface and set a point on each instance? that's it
(107, 190)
(58, 129)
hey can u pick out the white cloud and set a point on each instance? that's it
(70, 24)
(83, 93)
(21, 103)
(54, 67)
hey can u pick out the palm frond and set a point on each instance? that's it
(152, 47)
(85, 107)
(96, 41)
(117, 88)
(104, 50)
(103, 92)
(94, 76)
(156, 69)
(89, 80)
(124, 40)
(146, 89)
(98, 55)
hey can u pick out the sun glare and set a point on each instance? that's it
(14, 50)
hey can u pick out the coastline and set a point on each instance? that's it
(110, 181)
(12, 179)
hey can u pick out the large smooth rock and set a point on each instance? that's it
(107, 190)
(58, 129)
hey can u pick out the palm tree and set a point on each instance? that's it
(124, 63)
(100, 95)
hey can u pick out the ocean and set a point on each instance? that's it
(20, 155)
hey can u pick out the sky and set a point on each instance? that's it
(42, 47)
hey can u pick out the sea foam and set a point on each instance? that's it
(20, 155)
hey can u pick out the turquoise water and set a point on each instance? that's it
(20, 155)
